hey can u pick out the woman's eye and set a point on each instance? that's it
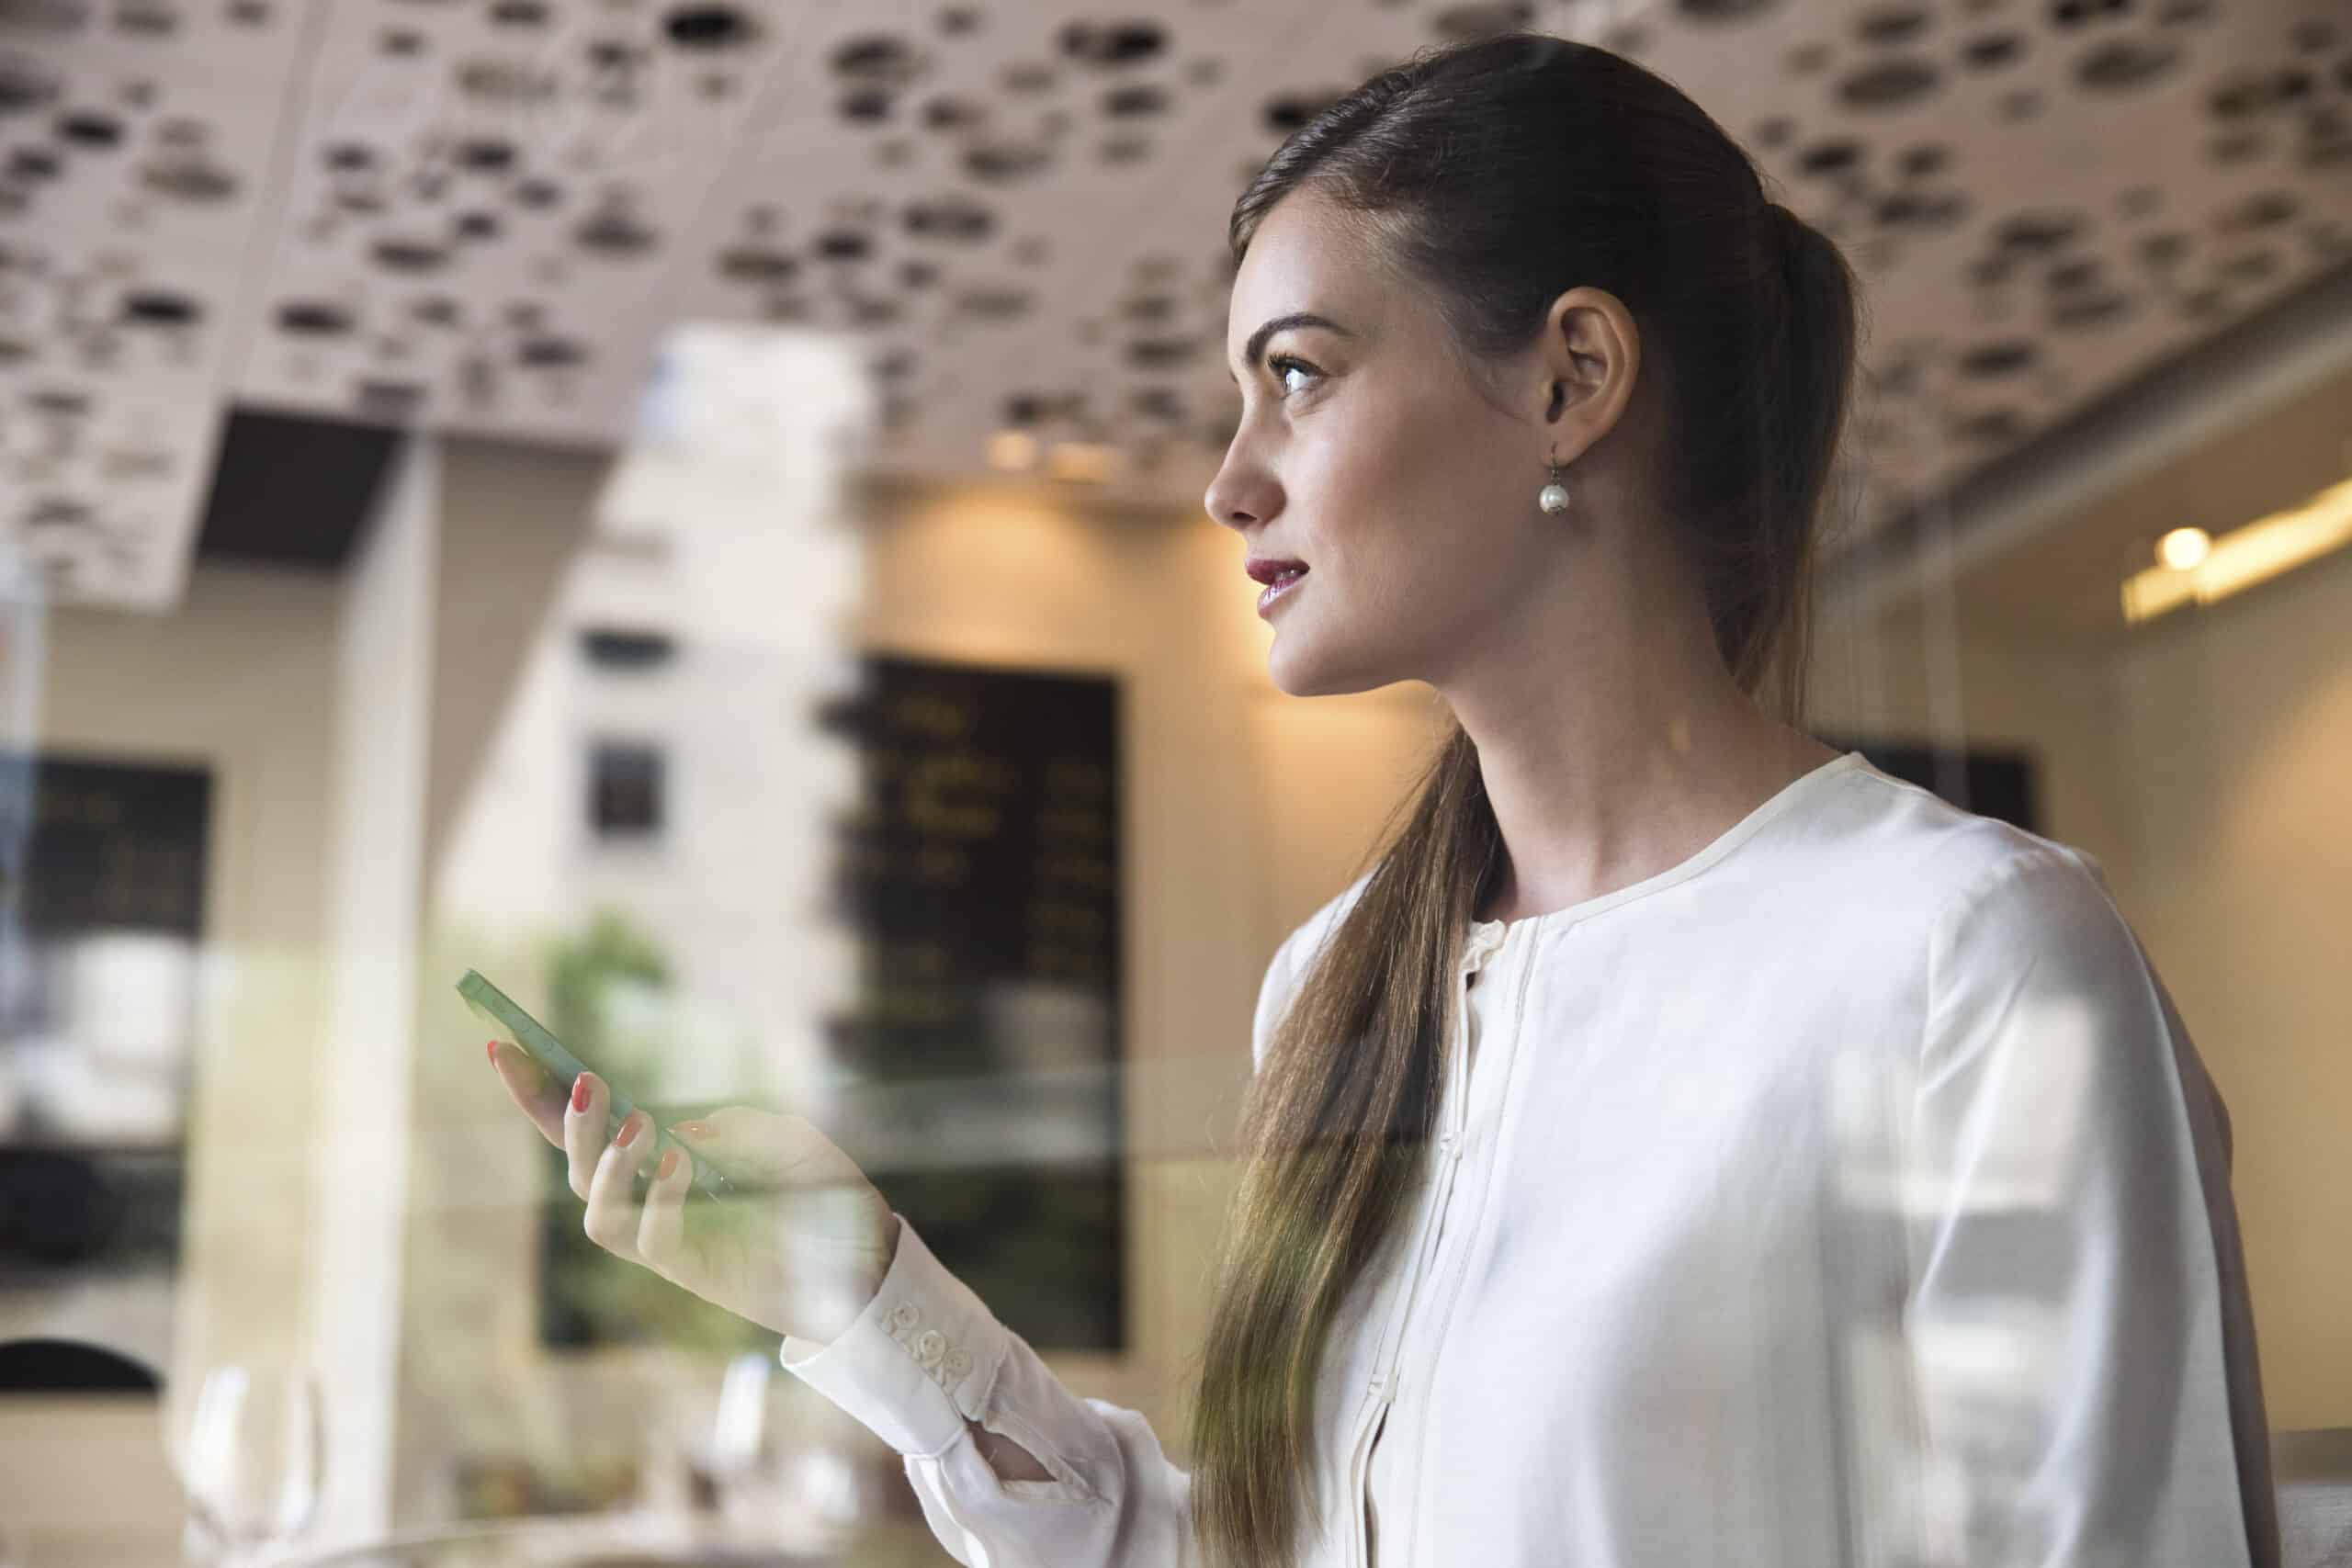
(1282, 364)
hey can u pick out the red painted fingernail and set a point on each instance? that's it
(669, 1162)
(493, 1050)
(628, 1132)
(580, 1093)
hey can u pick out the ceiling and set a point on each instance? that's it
(480, 215)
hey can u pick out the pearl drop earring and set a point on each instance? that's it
(1554, 497)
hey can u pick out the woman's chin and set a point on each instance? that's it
(1287, 672)
(1301, 673)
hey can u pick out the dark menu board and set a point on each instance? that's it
(982, 870)
(107, 845)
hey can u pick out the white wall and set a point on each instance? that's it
(2238, 723)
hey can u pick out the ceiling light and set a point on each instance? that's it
(1014, 450)
(1085, 462)
(2243, 557)
(2184, 547)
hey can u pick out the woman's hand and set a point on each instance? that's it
(800, 1249)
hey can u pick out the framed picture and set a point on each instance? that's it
(101, 926)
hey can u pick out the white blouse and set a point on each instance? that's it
(1848, 1193)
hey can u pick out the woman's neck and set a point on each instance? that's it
(1619, 819)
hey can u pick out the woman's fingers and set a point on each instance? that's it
(762, 1148)
(612, 1217)
(583, 1129)
(662, 1232)
(531, 1088)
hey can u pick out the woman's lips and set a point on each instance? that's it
(1280, 587)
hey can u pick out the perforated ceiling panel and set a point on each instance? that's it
(479, 214)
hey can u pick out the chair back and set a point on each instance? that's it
(70, 1366)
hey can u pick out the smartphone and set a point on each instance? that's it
(499, 1011)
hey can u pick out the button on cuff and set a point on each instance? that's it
(917, 1363)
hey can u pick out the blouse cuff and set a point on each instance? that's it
(917, 1363)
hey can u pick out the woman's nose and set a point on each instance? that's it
(1237, 503)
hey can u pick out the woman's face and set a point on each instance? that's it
(1366, 452)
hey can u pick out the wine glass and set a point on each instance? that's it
(252, 1458)
(740, 1438)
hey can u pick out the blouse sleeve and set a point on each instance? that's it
(926, 1356)
(2076, 1319)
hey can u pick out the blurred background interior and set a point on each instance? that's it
(695, 511)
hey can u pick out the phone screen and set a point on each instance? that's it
(499, 1011)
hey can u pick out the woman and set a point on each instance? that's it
(1686, 1144)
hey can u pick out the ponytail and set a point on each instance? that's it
(1804, 375)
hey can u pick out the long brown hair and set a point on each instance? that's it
(1496, 174)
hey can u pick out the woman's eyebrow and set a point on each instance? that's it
(1295, 319)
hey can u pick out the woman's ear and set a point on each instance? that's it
(1592, 356)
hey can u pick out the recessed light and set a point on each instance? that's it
(2184, 547)
(1012, 450)
(1086, 462)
